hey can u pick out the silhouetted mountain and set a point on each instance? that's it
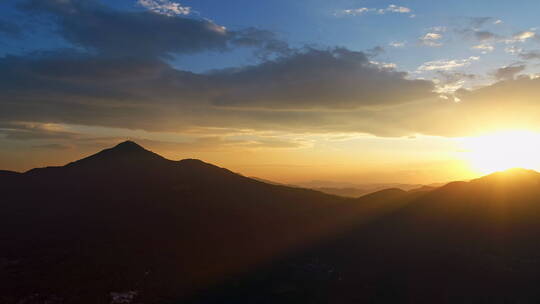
(126, 218)
(354, 190)
(349, 189)
(128, 226)
(346, 192)
(269, 181)
(423, 189)
(125, 153)
(4, 175)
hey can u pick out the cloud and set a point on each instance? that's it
(357, 11)
(335, 78)
(484, 35)
(33, 131)
(439, 28)
(484, 48)
(508, 72)
(165, 7)
(478, 22)
(10, 29)
(451, 76)
(395, 9)
(343, 92)
(513, 50)
(521, 53)
(97, 28)
(448, 82)
(529, 55)
(139, 90)
(149, 94)
(397, 44)
(392, 8)
(447, 64)
(477, 34)
(384, 65)
(480, 29)
(375, 51)
(123, 80)
(266, 42)
(521, 37)
(431, 39)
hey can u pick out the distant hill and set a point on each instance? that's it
(126, 225)
(357, 190)
(350, 189)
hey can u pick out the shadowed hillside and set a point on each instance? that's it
(127, 225)
(128, 219)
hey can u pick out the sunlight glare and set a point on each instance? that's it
(503, 150)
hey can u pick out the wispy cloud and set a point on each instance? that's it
(392, 8)
(357, 11)
(530, 55)
(521, 36)
(523, 54)
(165, 7)
(484, 48)
(448, 82)
(508, 72)
(384, 65)
(397, 44)
(513, 50)
(431, 39)
(439, 29)
(395, 9)
(447, 65)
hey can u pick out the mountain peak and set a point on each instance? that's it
(512, 174)
(511, 178)
(128, 145)
(127, 152)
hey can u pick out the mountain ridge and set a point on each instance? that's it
(172, 231)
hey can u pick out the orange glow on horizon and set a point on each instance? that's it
(503, 150)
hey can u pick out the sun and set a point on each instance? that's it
(503, 150)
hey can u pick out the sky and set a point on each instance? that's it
(346, 90)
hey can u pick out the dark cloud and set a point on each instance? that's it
(266, 42)
(32, 131)
(474, 28)
(477, 35)
(530, 55)
(484, 35)
(10, 29)
(508, 72)
(376, 51)
(478, 22)
(118, 76)
(91, 25)
(331, 79)
(149, 94)
(120, 79)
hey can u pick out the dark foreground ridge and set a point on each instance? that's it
(126, 225)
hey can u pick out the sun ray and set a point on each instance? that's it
(503, 150)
